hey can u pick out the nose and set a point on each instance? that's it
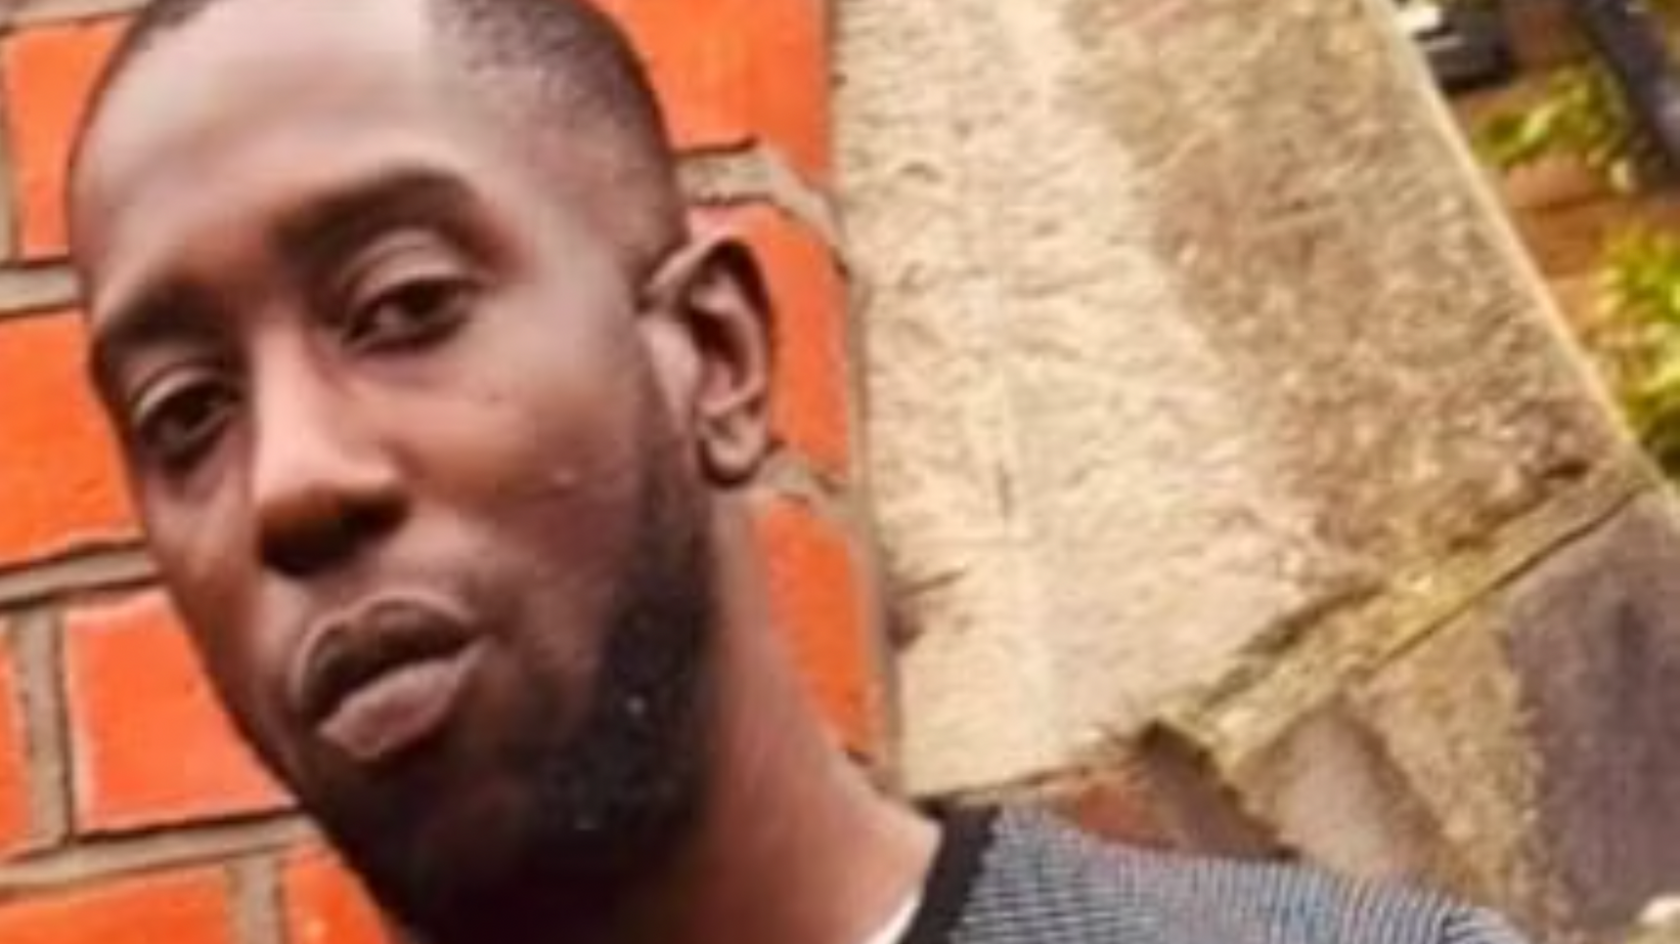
(323, 488)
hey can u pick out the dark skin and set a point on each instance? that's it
(360, 346)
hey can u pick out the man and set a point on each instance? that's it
(441, 420)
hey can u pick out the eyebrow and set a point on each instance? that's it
(311, 238)
(318, 235)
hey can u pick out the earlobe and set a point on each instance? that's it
(727, 311)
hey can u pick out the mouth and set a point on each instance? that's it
(378, 680)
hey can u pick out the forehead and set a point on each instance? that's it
(257, 58)
(248, 98)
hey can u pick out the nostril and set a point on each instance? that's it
(302, 553)
(325, 532)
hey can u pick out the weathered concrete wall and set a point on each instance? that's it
(1220, 434)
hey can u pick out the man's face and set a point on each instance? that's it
(416, 471)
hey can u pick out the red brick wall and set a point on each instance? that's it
(127, 811)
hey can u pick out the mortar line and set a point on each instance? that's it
(10, 234)
(36, 289)
(1533, 559)
(726, 176)
(37, 646)
(793, 476)
(258, 912)
(1198, 717)
(25, 13)
(103, 858)
(97, 571)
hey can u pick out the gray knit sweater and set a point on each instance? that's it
(1023, 877)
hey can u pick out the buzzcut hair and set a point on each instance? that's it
(561, 72)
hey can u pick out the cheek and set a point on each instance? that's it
(552, 416)
(207, 579)
(566, 489)
(556, 493)
(497, 455)
(216, 588)
(223, 640)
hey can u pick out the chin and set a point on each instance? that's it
(432, 859)
(528, 853)
(549, 819)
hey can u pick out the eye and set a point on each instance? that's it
(411, 314)
(410, 295)
(181, 416)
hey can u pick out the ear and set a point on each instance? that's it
(718, 298)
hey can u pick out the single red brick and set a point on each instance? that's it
(732, 71)
(180, 908)
(809, 402)
(151, 744)
(1118, 805)
(47, 74)
(818, 599)
(59, 481)
(324, 904)
(14, 782)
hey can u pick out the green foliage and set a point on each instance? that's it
(1638, 341)
(1580, 116)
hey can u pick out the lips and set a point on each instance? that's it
(378, 679)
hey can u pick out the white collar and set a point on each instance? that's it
(892, 931)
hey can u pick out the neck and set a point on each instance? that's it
(792, 843)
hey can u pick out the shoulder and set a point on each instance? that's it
(1042, 880)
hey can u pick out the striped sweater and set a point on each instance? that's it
(1023, 877)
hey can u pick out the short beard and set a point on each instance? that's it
(610, 799)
